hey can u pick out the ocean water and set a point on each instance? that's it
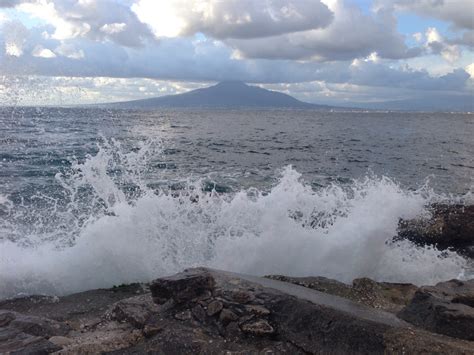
(93, 198)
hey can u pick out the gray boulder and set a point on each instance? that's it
(447, 308)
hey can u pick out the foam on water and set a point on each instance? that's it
(114, 229)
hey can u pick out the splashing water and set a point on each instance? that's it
(109, 227)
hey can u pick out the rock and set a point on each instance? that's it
(242, 296)
(13, 341)
(318, 283)
(6, 317)
(33, 325)
(211, 311)
(258, 327)
(151, 330)
(214, 308)
(232, 330)
(257, 309)
(182, 287)
(391, 297)
(446, 308)
(450, 226)
(199, 313)
(60, 341)
(135, 310)
(226, 316)
(184, 315)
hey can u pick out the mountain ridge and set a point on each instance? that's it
(225, 94)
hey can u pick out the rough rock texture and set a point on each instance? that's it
(391, 297)
(450, 227)
(214, 312)
(447, 308)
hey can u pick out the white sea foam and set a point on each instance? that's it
(112, 236)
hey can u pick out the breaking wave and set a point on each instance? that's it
(109, 227)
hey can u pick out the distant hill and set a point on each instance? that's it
(225, 94)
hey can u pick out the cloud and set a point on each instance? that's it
(438, 45)
(11, 3)
(41, 52)
(457, 12)
(207, 60)
(232, 18)
(96, 20)
(314, 48)
(380, 75)
(352, 34)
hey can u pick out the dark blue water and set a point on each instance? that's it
(244, 148)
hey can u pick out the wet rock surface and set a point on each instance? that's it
(391, 297)
(447, 308)
(448, 227)
(215, 312)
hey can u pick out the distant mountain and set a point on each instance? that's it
(225, 94)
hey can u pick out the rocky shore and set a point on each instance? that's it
(217, 312)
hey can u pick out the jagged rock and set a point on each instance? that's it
(450, 226)
(13, 341)
(221, 312)
(257, 309)
(184, 315)
(151, 330)
(242, 296)
(214, 308)
(446, 308)
(182, 287)
(6, 317)
(199, 313)
(258, 327)
(33, 325)
(391, 297)
(226, 316)
(232, 331)
(135, 310)
(60, 341)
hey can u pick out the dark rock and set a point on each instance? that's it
(214, 308)
(135, 310)
(258, 327)
(213, 312)
(6, 317)
(232, 330)
(226, 316)
(184, 315)
(391, 297)
(445, 308)
(60, 341)
(242, 296)
(151, 330)
(450, 226)
(33, 325)
(199, 313)
(257, 310)
(13, 341)
(182, 287)
(317, 283)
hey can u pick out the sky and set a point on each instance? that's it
(367, 53)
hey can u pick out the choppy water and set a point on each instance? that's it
(91, 198)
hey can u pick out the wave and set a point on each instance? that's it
(109, 227)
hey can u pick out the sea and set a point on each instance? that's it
(93, 197)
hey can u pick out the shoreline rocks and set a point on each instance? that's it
(211, 311)
(448, 227)
(447, 308)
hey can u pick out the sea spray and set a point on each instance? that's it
(109, 227)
